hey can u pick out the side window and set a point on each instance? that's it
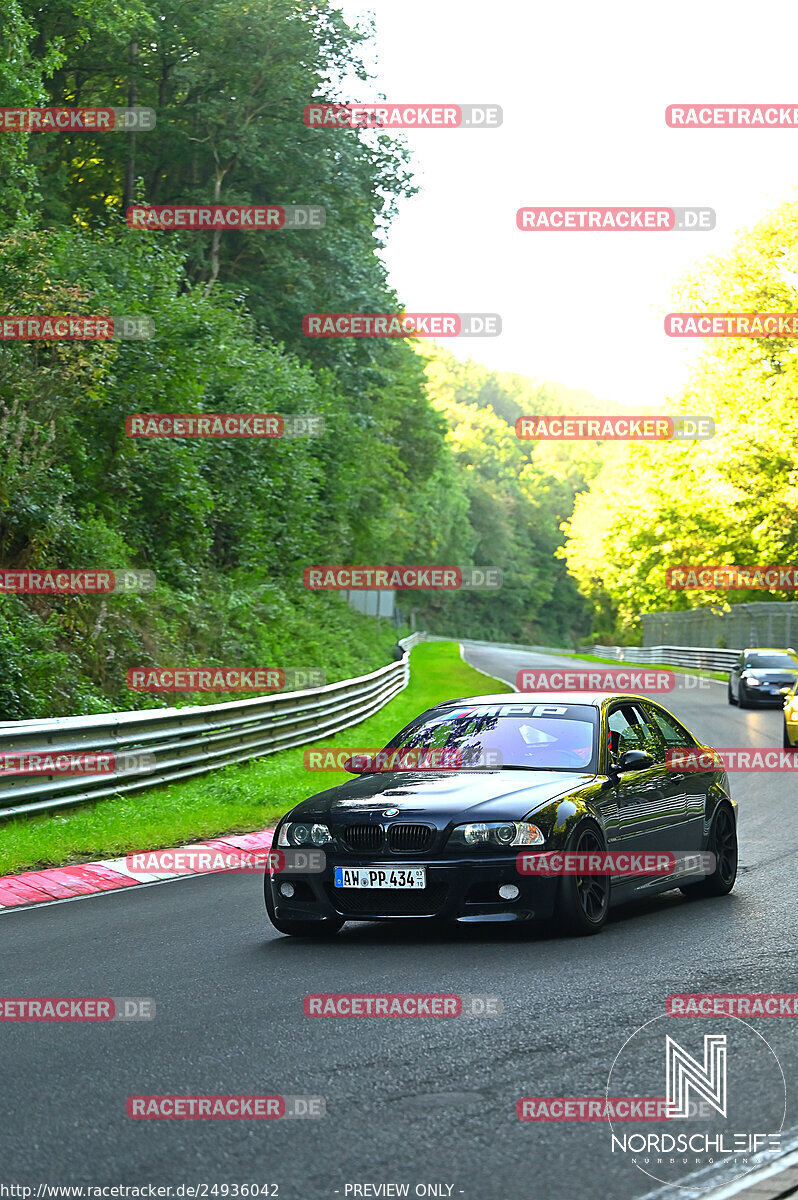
(648, 737)
(740, 662)
(672, 732)
(629, 730)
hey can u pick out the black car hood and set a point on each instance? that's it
(499, 795)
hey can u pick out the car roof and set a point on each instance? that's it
(768, 650)
(596, 699)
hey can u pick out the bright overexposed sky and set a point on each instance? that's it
(584, 86)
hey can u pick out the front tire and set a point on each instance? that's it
(785, 738)
(731, 697)
(742, 697)
(325, 928)
(583, 901)
(723, 844)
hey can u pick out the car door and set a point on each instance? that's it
(692, 785)
(651, 809)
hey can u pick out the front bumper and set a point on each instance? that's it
(458, 889)
(762, 696)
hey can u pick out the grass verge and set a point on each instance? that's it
(234, 799)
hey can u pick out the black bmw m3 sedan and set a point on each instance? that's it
(489, 809)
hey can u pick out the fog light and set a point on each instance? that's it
(508, 891)
(287, 890)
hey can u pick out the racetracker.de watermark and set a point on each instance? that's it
(77, 1008)
(407, 758)
(419, 325)
(614, 428)
(226, 216)
(731, 758)
(205, 860)
(615, 862)
(602, 1108)
(28, 762)
(75, 329)
(732, 578)
(380, 114)
(628, 219)
(732, 116)
(400, 1004)
(731, 324)
(224, 1107)
(66, 581)
(591, 1108)
(409, 579)
(224, 425)
(74, 120)
(607, 679)
(730, 1004)
(224, 679)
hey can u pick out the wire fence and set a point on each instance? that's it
(758, 623)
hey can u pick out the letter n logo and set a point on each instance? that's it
(683, 1072)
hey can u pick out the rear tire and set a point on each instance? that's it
(723, 844)
(583, 901)
(325, 928)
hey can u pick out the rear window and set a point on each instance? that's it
(533, 737)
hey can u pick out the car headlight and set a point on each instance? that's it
(304, 833)
(752, 681)
(496, 833)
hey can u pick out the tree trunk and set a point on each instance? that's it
(129, 193)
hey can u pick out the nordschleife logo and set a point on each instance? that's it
(723, 1100)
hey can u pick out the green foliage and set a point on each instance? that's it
(511, 497)
(226, 526)
(730, 500)
(23, 70)
(418, 463)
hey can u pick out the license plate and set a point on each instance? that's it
(379, 877)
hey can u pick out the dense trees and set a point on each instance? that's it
(228, 526)
(516, 495)
(420, 462)
(733, 499)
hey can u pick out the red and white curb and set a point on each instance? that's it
(113, 874)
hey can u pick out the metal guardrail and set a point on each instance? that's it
(159, 746)
(674, 656)
(755, 623)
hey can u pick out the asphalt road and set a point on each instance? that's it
(408, 1101)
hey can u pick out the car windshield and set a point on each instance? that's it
(532, 737)
(762, 662)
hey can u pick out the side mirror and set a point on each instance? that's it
(634, 760)
(359, 764)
